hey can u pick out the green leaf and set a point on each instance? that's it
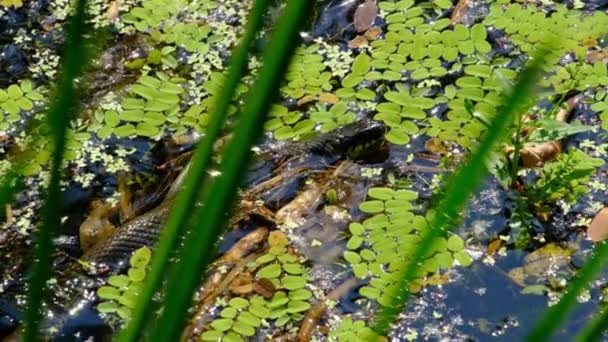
(360, 270)
(128, 299)
(119, 281)
(149, 81)
(141, 257)
(212, 336)
(250, 319)
(222, 324)
(108, 292)
(133, 103)
(270, 271)
(352, 257)
(228, 313)
(372, 207)
(132, 115)
(300, 294)
(354, 242)
(479, 32)
(26, 86)
(296, 306)
(356, 228)
(155, 105)
(260, 311)
(365, 94)
(398, 97)
(538, 290)
(294, 282)
(14, 92)
(444, 4)
(171, 88)
(238, 303)
(483, 71)
(136, 274)
(420, 74)
(11, 107)
(24, 103)
(145, 92)
(107, 307)
(146, 129)
(397, 137)
(111, 118)
(243, 329)
(463, 258)
(469, 82)
(552, 130)
(455, 243)
(283, 133)
(380, 193)
(361, 64)
(293, 268)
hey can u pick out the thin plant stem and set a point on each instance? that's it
(58, 119)
(210, 219)
(460, 186)
(196, 175)
(593, 330)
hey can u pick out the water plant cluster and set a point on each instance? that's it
(284, 299)
(379, 244)
(120, 294)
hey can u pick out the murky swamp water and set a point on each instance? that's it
(323, 223)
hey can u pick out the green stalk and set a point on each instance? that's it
(593, 330)
(555, 315)
(460, 186)
(58, 119)
(196, 175)
(517, 146)
(210, 219)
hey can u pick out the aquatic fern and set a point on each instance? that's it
(379, 244)
(121, 292)
(286, 296)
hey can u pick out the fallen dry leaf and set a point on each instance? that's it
(365, 15)
(373, 33)
(357, 42)
(598, 229)
(328, 98)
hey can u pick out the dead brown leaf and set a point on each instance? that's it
(598, 229)
(365, 15)
(357, 42)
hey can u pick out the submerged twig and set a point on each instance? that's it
(316, 311)
(218, 282)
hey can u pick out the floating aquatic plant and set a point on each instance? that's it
(120, 294)
(379, 244)
(349, 330)
(285, 300)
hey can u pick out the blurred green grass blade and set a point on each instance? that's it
(593, 330)
(210, 219)
(11, 183)
(58, 118)
(556, 314)
(196, 175)
(460, 186)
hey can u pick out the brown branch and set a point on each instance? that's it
(218, 282)
(316, 311)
